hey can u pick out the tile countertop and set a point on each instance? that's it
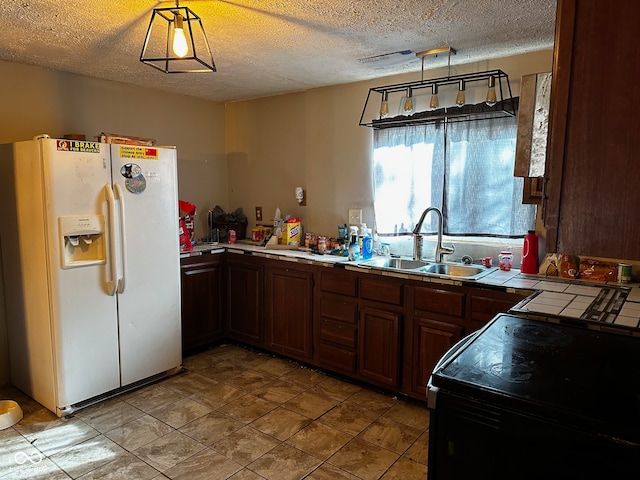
(551, 299)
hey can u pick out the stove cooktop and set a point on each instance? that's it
(537, 366)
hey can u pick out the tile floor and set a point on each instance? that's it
(232, 414)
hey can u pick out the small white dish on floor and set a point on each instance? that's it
(10, 413)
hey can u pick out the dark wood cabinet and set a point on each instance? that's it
(244, 299)
(201, 292)
(484, 304)
(592, 198)
(437, 323)
(337, 321)
(289, 310)
(442, 316)
(379, 352)
(379, 330)
(431, 340)
(386, 331)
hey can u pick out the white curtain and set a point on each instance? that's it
(463, 168)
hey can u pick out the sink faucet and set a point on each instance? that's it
(417, 238)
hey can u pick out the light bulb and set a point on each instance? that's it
(460, 99)
(384, 105)
(491, 93)
(180, 47)
(434, 102)
(408, 102)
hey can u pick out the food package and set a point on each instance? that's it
(569, 266)
(127, 140)
(549, 265)
(599, 271)
(187, 235)
(185, 241)
(291, 232)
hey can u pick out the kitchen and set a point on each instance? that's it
(221, 144)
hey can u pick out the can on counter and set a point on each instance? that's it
(487, 262)
(624, 273)
(232, 236)
(322, 244)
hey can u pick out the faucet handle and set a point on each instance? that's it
(449, 250)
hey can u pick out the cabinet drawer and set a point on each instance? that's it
(439, 301)
(381, 291)
(484, 308)
(340, 283)
(338, 333)
(338, 310)
(339, 358)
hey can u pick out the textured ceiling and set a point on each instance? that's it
(269, 47)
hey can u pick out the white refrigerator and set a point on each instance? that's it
(90, 257)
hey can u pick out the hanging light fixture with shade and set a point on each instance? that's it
(176, 42)
(492, 87)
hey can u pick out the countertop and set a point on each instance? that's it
(548, 298)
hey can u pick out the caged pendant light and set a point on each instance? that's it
(176, 42)
(440, 99)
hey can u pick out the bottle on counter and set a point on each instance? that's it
(367, 244)
(530, 253)
(352, 244)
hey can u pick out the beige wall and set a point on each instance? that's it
(36, 101)
(312, 139)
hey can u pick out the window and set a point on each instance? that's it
(465, 169)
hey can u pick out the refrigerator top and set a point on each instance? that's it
(571, 373)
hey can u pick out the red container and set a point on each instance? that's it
(530, 253)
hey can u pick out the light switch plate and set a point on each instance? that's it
(355, 216)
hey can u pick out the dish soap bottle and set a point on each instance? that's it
(354, 247)
(367, 244)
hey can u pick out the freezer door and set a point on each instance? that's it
(145, 182)
(83, 316)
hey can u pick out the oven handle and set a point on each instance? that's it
(432, 391)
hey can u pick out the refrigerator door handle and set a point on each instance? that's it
(111, 201)
(123, 248)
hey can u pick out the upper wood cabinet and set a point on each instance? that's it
(592, 199)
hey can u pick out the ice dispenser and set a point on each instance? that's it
(81, 240)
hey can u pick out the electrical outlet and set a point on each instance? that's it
(355, 216)
(258, 214)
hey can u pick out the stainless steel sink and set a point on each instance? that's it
(420, 267)
(397, 263)
(453, 270)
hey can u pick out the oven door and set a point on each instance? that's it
(469, 438)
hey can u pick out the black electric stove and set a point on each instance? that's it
(546, 398)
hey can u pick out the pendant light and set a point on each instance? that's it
(179, 44)
(384, 105)
(497, 103)
(492, 98)
(460, 98)
(176, 42)
(408, 106)
(434, 102)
